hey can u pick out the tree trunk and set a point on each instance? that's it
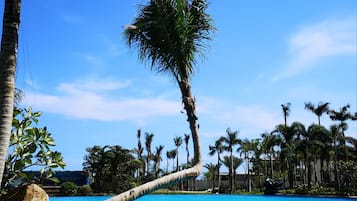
(249, 178)
(185, 174)
(271, 167)
(218, 172)
(231, 182)
(8, 57)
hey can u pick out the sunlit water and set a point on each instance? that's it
(207, 198)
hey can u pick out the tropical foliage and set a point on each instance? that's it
(29, 146)
(303, 157)
(109, 166)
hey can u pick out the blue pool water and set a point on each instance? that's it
(207, 198)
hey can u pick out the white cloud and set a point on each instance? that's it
(93, 85)
(314, 42)
(250, 120)
(82, 100)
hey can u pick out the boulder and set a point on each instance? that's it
(30, 192)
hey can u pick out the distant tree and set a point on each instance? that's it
(157, 159)
(232, 162)
(171, 155)
(246, 149)
(319, 110)
(211, 174)
(187, 139)
(217, 148)
(148, 141)
(286, 111)
(269, 142)
(140, 150)
(342, 116)
(29, 146)
(230, 141)
(178, 143)
(111, 163)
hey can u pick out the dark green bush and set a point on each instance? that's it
(69, 188)
(85, 190)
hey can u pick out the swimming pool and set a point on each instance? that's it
(207, 198)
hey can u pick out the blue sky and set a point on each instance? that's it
(75, 67)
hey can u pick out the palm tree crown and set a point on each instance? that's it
(169, 34)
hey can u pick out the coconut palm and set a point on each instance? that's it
(286, 111)
(187, 139)
(211, 174)
(232, 163)
(269, 142)
(217, 148)
(148, 141)
(178, 143)
(158, 159)
(169, 34)
(336, 135)
(342, 116)
(319, 110)
(8, 58)
(140, 150)
(246, 149)
(230, 141)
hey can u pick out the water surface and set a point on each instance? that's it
(207, 198)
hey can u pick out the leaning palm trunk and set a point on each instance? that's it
(8, 55)
(177, 177)
(169, 33)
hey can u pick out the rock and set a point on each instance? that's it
(30, 192)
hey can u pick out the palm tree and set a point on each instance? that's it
(178, 143)
(230, 141)
(246, 148)
(211, 174)
(268, 144)
(286, 111)
(148, 141)
(217, 148)
(187, 139)
(158, 159)
(335, 135)
(8, 58)
(169, 34)
(139, 153)
(342, 116)
(233, 163)
(319, 110)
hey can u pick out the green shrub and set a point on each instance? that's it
(69, 188)
(85, 190)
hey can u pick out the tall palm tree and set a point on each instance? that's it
(246, 149)
(335, 135)
(187, 139)
(269, 142)
(286, 111)
(217, 148)
(158, 159)
(148, 142)
(233, 163)
(139, 153)
(178, 143)
(342, 116)
(169, 34)
(212, 168)
(230, 141)
(8, 58)
(319, 110)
